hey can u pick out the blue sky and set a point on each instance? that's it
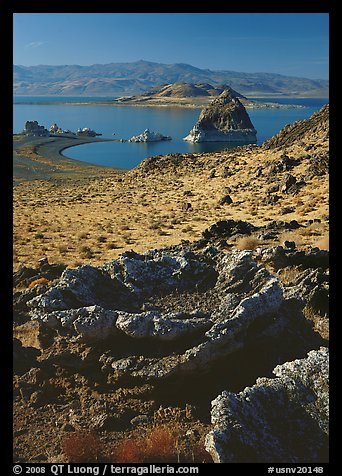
(294, 44)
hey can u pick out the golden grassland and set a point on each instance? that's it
(94, 217)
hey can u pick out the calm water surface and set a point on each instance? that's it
(126, 121)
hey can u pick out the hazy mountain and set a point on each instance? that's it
(118, 79)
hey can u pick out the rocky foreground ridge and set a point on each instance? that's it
(173, 317)
(225, 119)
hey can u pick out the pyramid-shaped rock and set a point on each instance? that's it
(225, 119)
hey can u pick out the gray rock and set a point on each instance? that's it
(281, 420)
(225, 119)
(312, 286)
(140, 420)
(80, 287)
(162, 327)
(91, 323)
(161, 271)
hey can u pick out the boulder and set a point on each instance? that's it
(91, 323)
(225, 119)
(279, 420)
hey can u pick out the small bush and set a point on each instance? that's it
(63, 249)
(39, 236)
(158, 446)
(128, 451)
(38, 281)
(112, 246)
(323, 243)
(86, 252)
(81, 447)
(101, 239)
(161, 446)
(247, 243)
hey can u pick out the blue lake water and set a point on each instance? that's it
(127, 121)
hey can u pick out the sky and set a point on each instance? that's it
(293, 44)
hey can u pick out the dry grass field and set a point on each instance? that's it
(93, 219)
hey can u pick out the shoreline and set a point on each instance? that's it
(42, 158)
(195, 102)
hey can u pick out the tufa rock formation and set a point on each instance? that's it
(277, 419)
(224, 120)
(149, 136)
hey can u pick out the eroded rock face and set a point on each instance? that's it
(284, 419)
(225, 119)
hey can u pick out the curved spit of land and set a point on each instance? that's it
(42, 157)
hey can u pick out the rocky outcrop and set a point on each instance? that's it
(284, 419)
(224, 120)
(184, 323)
(32, 128)
(149, 136)
(242, 303)
(309, 131)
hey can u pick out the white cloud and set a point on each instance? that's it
(35, 44)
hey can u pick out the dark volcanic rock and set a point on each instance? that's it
(25, 275)
(227, 228)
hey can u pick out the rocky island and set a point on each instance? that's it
(149, 136)
(224, 120)
(196, 95)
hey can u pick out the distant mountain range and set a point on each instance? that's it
(118, 79)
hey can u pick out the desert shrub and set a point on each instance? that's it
(63, 249)
(320, 322)
(86, 252)
(247, 243)
(323, 243)
(162, 444)
(38, 281)
(81, 447)
(129, 451)
(289, 274)
(112, 245)
(101, 239)
(158, 446)
(155, 225)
